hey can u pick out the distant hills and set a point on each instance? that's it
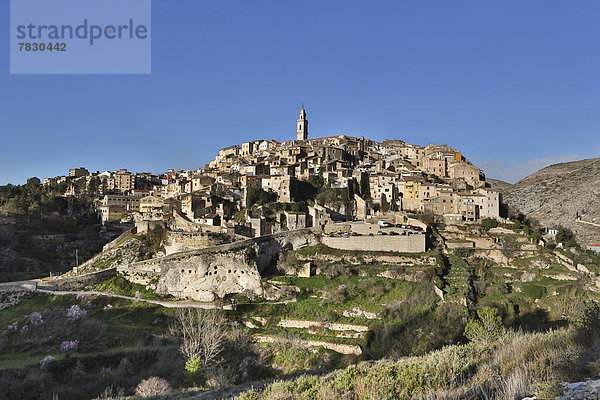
(558, 195)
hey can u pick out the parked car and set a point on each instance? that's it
(370, 234)
(417, 228)
(346, 235)
(355, 234)
(394, 233)
(380, 232)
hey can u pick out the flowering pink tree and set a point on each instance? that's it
(76, 312)
(69, 346)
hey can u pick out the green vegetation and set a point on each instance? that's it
(43, 200)
(523, 364)
(256, 195)
(119, 285)
(103, 264)
(487, 327)
(489, 223)
(34, 247)
(118, 346)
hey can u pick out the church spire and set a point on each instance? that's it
(302, 132)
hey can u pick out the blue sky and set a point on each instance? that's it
(513, 84)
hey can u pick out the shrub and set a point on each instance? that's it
(220, 376)
(335, 270)
(589, 322)
(152, 386)
(486, 328)
(489, 223)
(534, 291)
(36, 319)
(44, 362)
(69, 346)
(76, 312)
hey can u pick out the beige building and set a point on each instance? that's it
(489, 203)
(282, 185)
(124, 181)
(466, 172)
(153, 207)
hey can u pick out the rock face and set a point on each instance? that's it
(558, 195)
(581, 390)
(122, 253)
(205, 274)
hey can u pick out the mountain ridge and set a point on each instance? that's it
(562, 194)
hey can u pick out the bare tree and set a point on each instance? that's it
(202, 334)
(510, 250)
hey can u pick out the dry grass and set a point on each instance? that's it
(515, 366)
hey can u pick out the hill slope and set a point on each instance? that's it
(559, 194)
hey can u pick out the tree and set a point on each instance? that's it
(565, 236)
(510, 249)
(202, 334)
(317, 181)
(486, 327)
(489, 223)
(256, 195)
(94, 185)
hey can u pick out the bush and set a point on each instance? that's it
(489, 223)
(152, 386)
(256, 195)
(36, 319)
(335, 270)
(533, 291)
(486, 328)
(589, 322)
(76, 312)
(46, 361)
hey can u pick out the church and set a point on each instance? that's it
(302, 132)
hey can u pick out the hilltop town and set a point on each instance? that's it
(318, 252)
(317, 181)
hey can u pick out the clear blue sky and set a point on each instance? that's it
(515, 85)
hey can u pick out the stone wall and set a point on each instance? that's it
(77, 281)
(462, 244)
(216, 271)
(337, 347)
(402, 244)
(176, 242)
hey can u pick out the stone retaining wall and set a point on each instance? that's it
(77, 281)
(338, 347)
(401, 244)
(302, 324)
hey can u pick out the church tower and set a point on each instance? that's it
(302, 132)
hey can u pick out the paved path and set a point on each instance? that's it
(32, 286)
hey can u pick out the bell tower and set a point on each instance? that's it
(302, 132)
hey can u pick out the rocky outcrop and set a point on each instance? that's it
(588, 390)
(206, 274)
(124, 252)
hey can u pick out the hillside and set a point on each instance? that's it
(558, 195)
(359, 316)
